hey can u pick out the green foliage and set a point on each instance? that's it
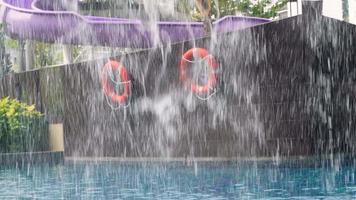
(47, 54)
(5, 64)
(220, 8)
(22, 128)
(184, 6)
(264, 8)
(260, 8)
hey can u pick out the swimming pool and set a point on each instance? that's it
(179, 180)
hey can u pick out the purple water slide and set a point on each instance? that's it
(37, 20)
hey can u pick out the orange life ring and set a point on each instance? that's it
(109, 90)
(213, 64)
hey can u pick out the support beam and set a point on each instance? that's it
(91, 53)
(294, 7)
(67, 54)
(345, 10)
(30, 55)
(21, 58)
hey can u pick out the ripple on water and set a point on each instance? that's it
(173, 181)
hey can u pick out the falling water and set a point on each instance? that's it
(279, 90)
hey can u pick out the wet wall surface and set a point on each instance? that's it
(285, 88)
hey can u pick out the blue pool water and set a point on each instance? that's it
(177, 180)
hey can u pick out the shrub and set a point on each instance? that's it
(22, 128)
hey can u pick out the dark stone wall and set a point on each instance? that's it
(333, 76)
(285, 88)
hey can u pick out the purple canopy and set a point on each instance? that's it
(34, 20)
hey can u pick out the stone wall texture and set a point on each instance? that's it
(285, 88)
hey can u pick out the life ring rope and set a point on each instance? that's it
(199, 61)
(205, 56)
(117, 106)
(110, 85)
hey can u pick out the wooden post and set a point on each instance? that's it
(56, 137)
